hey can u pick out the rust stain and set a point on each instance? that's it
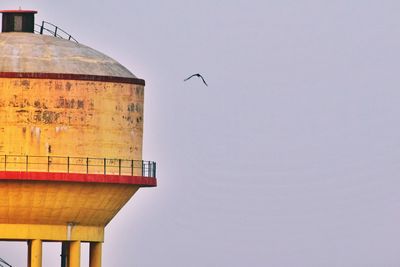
(78, 118)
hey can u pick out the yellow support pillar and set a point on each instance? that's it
(35, 253)
(95, 254)
(74, 257)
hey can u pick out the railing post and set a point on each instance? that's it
(5, 162)
(143, 168)
(48, 163)
(41, 28)
(105, 170)
(119, 166)
(87, 165)
(132, 168)
(26, 161)
(55, 32)
(154, 170)
(67, 164)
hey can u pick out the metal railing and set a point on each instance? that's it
(3, 263)
(83, 165)
(53, 30)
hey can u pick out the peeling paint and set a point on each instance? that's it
(61, 129)
(75, 118)
(35, 133)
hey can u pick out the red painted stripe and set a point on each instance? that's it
(78, 177)
(18, 11)
(71, 76)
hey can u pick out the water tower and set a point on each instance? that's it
(71, 131)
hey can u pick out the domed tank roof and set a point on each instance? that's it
(35, 53)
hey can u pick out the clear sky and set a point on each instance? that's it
(291, 156)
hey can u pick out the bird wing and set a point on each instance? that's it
(189, 77)
(203, 80)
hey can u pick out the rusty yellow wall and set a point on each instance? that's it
(71, 118)
(68, 118)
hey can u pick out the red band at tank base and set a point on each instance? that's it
(78, 177)
(71, 76)
(18, 11)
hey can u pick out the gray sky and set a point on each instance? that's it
(289, 158)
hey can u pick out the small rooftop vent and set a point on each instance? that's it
(18, 20)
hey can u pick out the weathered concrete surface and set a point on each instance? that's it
(28, 52)
(45, 117)
(55, 203)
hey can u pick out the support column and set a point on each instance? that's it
(95, 254)
(64, 253)
(35, 253)
(74, 257)
(29, 253)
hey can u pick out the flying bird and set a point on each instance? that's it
(197, 75)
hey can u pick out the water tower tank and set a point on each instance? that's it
(71, 133)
